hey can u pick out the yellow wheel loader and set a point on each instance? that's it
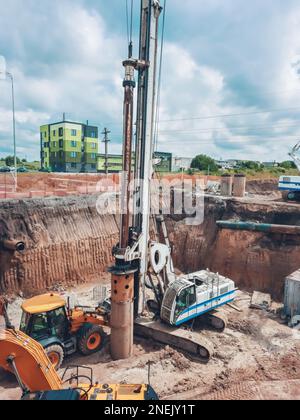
(62, 331)
(38, 379)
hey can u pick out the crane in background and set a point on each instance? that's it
(290, 185)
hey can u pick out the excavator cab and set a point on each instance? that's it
(185, 300)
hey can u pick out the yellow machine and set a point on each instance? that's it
(38, 379)
(62, 331)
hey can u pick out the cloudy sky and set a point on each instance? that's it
(230, 84)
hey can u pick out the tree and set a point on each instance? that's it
(203, 163)
(249, 164)
(288, 164)
(10, 161)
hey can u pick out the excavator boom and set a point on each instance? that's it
(293, 155)
(23, 356)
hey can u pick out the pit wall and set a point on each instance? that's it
(69, 243)
(254, 260)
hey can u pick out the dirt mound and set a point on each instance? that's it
(264, 187)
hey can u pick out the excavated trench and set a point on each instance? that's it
(68, 242)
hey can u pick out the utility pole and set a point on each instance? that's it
(106, 141)
(14, 131)
(15, 171)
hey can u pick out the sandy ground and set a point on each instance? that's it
(257, 357)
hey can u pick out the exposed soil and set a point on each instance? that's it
(257, 357)
(268, 188)
(68, 242)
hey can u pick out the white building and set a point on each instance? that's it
(181, 163)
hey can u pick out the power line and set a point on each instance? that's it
(214, 141)
(233, 115)
(223, 129)
(270, 111)
(233, 140)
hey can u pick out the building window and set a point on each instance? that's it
(46, 145)
(94, 145)
(61, 132)
(93, 166)
(54, 133)
(73, 165)
(73, 133)
(93, 134)
(73, 155)
(93, 155)
(45, 135)
(73, 143)
(61, 143)
(54, 143)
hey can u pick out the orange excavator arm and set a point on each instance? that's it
(24, 357)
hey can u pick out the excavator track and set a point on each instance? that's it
(217, 320)
(188, 341)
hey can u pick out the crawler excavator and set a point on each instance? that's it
(38, 379)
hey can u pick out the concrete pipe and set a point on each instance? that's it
(226, 185)
(122, 315)
(239, 186)
(16, 246)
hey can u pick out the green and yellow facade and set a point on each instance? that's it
(115, 162)
(69, 147)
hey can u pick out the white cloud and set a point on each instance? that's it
(220, 58)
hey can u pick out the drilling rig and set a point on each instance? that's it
(140, 263)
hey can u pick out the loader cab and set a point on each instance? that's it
(45, 317)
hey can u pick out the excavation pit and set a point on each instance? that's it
(68, 248)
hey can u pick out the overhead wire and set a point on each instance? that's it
(233, 115)
(267, 111)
